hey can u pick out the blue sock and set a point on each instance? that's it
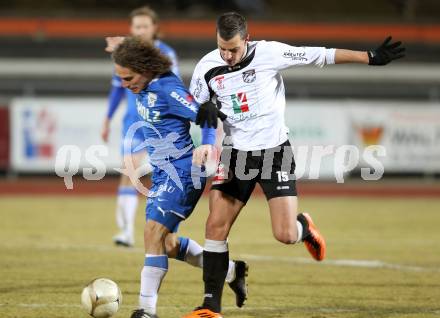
(183, 248)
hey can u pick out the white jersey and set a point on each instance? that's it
(251, 92)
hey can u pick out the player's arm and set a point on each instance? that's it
(383, 55)
(205, 154)
(116, 94)
(174, 62)
(183, 104)
(208, 111)
(284, 55)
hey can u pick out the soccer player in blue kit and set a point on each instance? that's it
(144, 23)
(165, 109)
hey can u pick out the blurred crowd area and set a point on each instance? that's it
(299, 10)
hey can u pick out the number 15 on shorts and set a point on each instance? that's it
(283, 176)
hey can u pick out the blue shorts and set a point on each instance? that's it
(167, 204)
(129, 145)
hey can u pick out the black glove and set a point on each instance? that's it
(386, 52)
(207, 115)
(221, 115)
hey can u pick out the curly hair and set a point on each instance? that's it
(141, 57)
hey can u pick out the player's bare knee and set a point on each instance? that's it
(171, 245)
(217, 230)
(154, 233)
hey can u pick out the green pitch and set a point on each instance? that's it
(383, 260)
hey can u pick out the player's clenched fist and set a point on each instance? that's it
(205, 155)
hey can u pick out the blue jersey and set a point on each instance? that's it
(117, 92)
(167, 108)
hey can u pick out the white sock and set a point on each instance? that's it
(230, 276)
(131, 204)
(194, 254)
(216, 246)
(120, 221)
(126, 210)
(299, 229)
(155, 269)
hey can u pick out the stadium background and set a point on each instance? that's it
(383, 237)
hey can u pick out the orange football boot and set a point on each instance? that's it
(314, 242)
(203, 313)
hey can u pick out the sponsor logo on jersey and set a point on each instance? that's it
(219, 81)
(198, 88)
(295, 56)
(152, 98)
(184, 101)
(249, 76)
(239, 103)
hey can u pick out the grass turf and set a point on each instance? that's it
(382, 261)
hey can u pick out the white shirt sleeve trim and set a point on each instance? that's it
(330, 56)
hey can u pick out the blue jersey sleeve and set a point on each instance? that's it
(208, 136)
(116, 94)
(181, 103)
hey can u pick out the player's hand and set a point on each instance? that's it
(205, 155)
(113, 42)
(221, 115)
(208, 114)
(105, 130)
(386, 52)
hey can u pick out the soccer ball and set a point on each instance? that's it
(101, 298)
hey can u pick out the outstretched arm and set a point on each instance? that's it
(348, 56)
(115, 96)
(383, 55)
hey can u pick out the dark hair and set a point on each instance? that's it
(231, 23)
(141, 57)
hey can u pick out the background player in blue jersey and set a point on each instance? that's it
(166, 108)
(144, 23)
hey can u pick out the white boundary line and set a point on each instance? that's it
(341, 262)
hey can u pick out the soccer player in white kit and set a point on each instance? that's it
(243, 77)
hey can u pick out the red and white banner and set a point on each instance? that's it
(41, 126)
